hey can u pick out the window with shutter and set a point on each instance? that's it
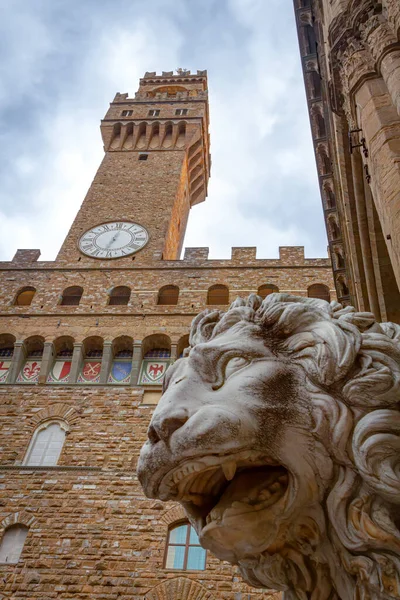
(12, 543)
(46, 446)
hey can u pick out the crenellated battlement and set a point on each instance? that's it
(179, 74)
(241, 257)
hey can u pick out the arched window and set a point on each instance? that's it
(168, 295)
(320, 125)
(218, 294)
(91, 366)
(339, 259)
(267, 289)
(121, 366)
(72, 296)
(315, 79)
(120, 296)
(330, 197)
(6, 353)
(319, 290)
(342, 284)
(46, 445)
(182, 345)
(183, 549)
(156, 359)
(30, 369)
(334, 229)
(310, 40)
(25, 296)
(61, 367)
(325, 161)
(12, 543)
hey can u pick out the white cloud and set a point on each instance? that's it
(263, 187)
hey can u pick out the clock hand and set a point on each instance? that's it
(112, 241)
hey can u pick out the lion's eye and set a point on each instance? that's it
(236, 363)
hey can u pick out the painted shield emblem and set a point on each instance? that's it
(120, 372)
(90, 372)
(4, 368)
(60, 372)
(30, 372)
(153, 371)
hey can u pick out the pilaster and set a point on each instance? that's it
(47, 360)
(106, 362)
(19, 356)
(136, 362)
(76, 363)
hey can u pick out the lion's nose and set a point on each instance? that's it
(163, 426)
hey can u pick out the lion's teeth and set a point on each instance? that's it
(229, 469)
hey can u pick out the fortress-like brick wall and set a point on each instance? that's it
(92, 534)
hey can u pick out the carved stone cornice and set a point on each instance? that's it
(355, 64)
(378, 37)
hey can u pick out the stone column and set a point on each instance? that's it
(106, 362)
(362, 221)
(174, 348)
(136, 361)
(47, 361)
(76, 363)
(18, 359)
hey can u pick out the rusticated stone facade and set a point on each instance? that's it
(351, 62)
(91, 534)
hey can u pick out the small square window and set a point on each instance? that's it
(181, 112)
(143, 156)
(127, 113)
(154, 113)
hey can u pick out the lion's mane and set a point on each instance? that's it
(352, 364)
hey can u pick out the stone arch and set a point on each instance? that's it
(173, 515)
(128, 137)
(342, 285)
(57, 411)
(71, 296)
(218, 294)
(318, 120)
(24, 296)
(19, 518)
(168, 295)
(180, 588)
(182, 345)
(329, 195)
(154, 141)
(156, 341)
(7, 340)
(323, 159)
(333, 228)
(34, 344)
(116, 136)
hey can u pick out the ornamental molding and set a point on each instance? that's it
(55, 411)
(174, 514)
(18, 518)
(180, 588)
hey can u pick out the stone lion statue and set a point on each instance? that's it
(279, 433)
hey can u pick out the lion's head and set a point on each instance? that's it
(279, 434)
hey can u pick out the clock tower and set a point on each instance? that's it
(156, 166)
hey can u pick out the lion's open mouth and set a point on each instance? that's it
(213, 487)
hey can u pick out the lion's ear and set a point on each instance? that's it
(376, 448)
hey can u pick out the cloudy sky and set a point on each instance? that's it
(61, 63)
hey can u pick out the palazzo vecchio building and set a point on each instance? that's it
(85, 341)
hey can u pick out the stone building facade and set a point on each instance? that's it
(84, 343)
(350, 53)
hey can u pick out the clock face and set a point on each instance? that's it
(113, 240)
